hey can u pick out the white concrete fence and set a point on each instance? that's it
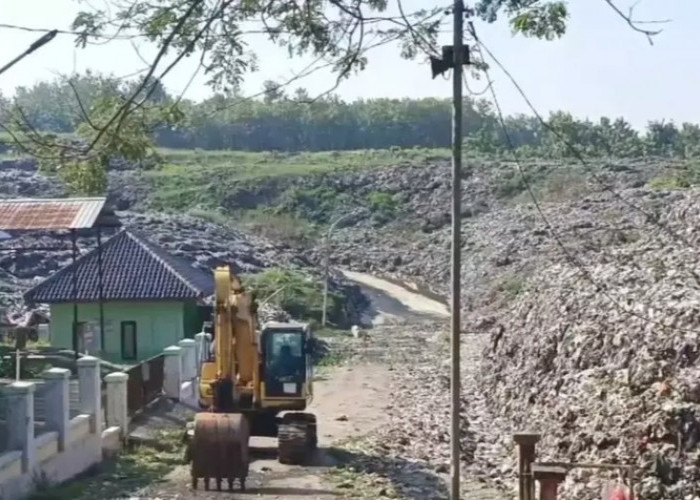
(69, 446)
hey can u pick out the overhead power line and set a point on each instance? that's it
(568, 254)
(573, 149)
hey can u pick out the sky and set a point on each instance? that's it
(600, 67)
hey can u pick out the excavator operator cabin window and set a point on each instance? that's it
(284, 352)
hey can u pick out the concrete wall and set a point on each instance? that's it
(158, 324)
(71, 445)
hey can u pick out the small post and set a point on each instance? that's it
(189, 362)
(327, 262)
(90, 388)
(201, 341)
(549, 477)
(17, 365)
(117, 411)
(172, 372)
(20, 420)
(58, 403)
(526, 442)
(326, 266)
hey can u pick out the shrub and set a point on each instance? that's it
(383, 206)
(294, 291)
(279, 227)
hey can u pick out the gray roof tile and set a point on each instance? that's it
(133, 268)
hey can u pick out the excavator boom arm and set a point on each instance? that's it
(237, 352)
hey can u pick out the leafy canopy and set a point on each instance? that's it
(338, 32)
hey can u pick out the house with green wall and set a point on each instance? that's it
(150, 299)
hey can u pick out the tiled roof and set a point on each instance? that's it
(132, 269)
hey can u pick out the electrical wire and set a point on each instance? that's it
(568, 253)
(574, 151)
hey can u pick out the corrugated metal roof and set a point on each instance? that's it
(50, 214)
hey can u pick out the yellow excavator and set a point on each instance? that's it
(254, 382)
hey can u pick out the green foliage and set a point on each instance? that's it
(406, 131)
(384, 206)
(294, 291)
(669, 183)
(510, 286)
(544, 19)
(213, 216)
(317, 204)
(108, 133)
(279, 227)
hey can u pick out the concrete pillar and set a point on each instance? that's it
(57, 403)
(189, 359)
(172, 372)
(90, 388)
(549, 477)
(526, 442)
(20, 421)
(117, 410)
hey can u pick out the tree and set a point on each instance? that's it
(337, 32)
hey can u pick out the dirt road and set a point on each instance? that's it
(392, 302)
(346, 403)
(349, 401)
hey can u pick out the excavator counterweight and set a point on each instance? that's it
(254, 383)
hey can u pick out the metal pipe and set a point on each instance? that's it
(101, 288)
(326, 264)
(74, 276)
(458, 48)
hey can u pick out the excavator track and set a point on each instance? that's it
(297, 438)
(219, 449)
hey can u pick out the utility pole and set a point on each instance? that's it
(455, 57)
(458, 61)
(327, 262)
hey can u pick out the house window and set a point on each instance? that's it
(129, 340)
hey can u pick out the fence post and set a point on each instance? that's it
(90, 388)
(189, 361)
(117, 411)
(526, 442)
(201, 340)
(172, 372)
(58, 403)
(20, 420)
(550, 478)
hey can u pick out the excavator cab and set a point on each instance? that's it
(286, 373)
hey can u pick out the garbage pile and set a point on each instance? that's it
(603, 356)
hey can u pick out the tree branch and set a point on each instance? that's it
(628, 18)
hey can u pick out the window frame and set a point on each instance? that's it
(123, 326)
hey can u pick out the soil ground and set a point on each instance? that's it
(350, 402)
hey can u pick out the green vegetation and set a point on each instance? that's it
(669, 183)
(212, 179)
(280, 227)
(384, 206)
(296, 292)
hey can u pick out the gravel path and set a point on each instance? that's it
(382, 419)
